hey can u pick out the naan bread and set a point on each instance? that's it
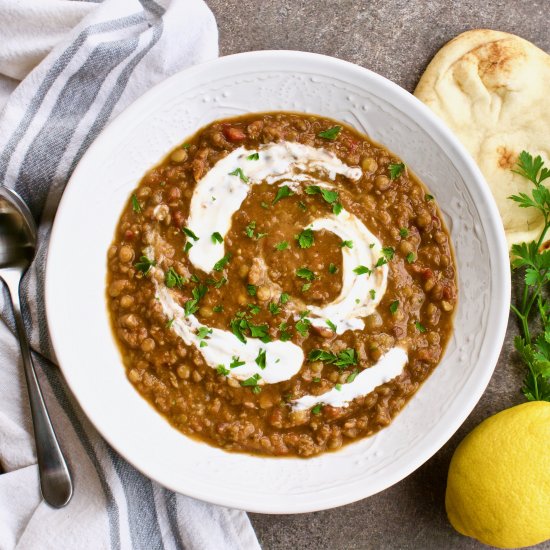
(493, 90)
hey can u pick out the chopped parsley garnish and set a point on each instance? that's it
(302, 206)
(348, 244)
(195, 279)
(249, 229)
(396, 170)
(284, 335)
(420, 327)
(260, 360)
(169, 323)
(236, 362)
(284, 298)
(190, 307)
(317, 408)
(172, 279)
(305, 238)
(239, 172)
(329, 196)
(259, 331)
(331, 325)
(216, 238)
(338, 387)
(216, 283)
(362, 270)
(393, 306)
(352, 376)
(251, 289)
(264, 204)
(254, 309)
(253, 156)
(283, 192)
(340, 360)
(404, 232)
(332, 268)
(411, 257)
(388, 252)
(429, 197)
(189, 233)
(186, 146)
(188, 246)
(305, 273)
(145, 264)
(136, 207)
(316, 379)
(204, 332)
(238, 326)
(220, 264)
(372, 293)
(283, 245)
(337, 208)
(217, 309)
(222, 370)
(302, 326)
(330, 134)
(306, 287)
(274, 309)
(252, 381)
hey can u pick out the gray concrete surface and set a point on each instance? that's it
(397, 39)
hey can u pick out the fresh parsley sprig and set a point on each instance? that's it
(535, 265)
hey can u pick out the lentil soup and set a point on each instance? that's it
(280, 285)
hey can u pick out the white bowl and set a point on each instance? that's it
(138, 139)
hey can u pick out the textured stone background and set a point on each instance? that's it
(397, 39)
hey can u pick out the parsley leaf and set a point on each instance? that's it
(236, 362)
(352, 376)
(253, 156)
(305, 238)
(393, 306)
(274, 309)
(317, 408)
(145, 264)
(331, 325)
(420, 327)
(404, 232)
(284, 298)
(189, 233)
(216, 238)
(239, 172)
(302, 326)
(136, 207)
(252, 381)
(342, 359)
(283, 245)
(411, 257)
(330, 134)
(348, 244)
(305, 273)
(172, 279)
(396, 170)
(260, 360)
(220, 264)
(282, 192)
(222, 370)
(251, 289)
(362, 270)
(332, 268)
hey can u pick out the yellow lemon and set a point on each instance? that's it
(498, 488)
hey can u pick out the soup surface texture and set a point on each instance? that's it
(280, 285)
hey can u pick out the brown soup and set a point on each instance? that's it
(273, 196)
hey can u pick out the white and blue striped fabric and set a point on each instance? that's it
(66, 69)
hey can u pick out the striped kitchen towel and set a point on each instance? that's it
(66, 69)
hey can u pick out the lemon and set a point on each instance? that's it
(498, 488)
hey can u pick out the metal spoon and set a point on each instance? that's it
(17, 249)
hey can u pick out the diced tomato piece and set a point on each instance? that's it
(233, 134)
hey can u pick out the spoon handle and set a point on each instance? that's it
(55, 480)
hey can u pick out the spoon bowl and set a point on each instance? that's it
(18, 238)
